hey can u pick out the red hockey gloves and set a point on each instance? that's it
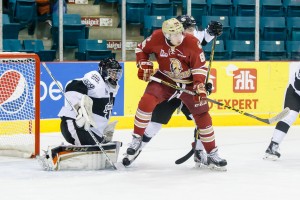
(200, 91)
(145, 70)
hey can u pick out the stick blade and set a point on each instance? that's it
(280, 116)
(184, 158)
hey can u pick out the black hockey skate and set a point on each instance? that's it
(135, 145)
(272, 151)
(215, 162)
(200, 158)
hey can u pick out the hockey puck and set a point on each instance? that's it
(126, 162)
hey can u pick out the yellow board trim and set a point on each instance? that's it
(53, 125)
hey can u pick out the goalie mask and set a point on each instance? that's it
(111, 71)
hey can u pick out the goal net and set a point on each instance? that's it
(19, 104)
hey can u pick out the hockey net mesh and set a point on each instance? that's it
(18, 105)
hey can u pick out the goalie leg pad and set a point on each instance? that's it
(72, 157)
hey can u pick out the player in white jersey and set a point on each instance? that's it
(93, 97)
(164, 111)
(102, 87)
(292, 101)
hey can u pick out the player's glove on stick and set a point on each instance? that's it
(200, 97)
(215, 28)
(145, 70)
(208, 88)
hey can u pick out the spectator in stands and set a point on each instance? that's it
(5, 8)
(45, 9)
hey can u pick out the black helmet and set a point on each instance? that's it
(187, 21)
(110, 70)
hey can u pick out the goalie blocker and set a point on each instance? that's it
(79, 157)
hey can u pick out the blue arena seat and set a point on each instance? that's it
(135, 11)
(272, 8)
(220, 52)
(25, 13)
(292, 8)
(223, 19)
(293, 28)
(244, 7)
(10, 30)
(67, 19)
(199, 8)
(293, 50)
(152, 23)
(240, 49)
(272, 50)
(93, 50)
(73, 30)
(242, 28)
(220, 7)
(273, 28)
(37, 47)
(12, 45)
(161, 7)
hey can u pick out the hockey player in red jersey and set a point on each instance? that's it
(181, 61)
(164, 110)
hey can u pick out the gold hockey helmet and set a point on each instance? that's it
(172, 26)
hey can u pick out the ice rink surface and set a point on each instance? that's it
(154, 175)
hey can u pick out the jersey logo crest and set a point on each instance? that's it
(175, 66)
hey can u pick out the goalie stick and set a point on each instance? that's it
(89, 131)
(276, 118)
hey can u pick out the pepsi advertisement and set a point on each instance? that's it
(16, 92)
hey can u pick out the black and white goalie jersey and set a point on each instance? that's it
(103, 96)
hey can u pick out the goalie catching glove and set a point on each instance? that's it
(84, 117)
(145, 70)
(200, 91)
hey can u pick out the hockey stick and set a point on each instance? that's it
(69, 102)
(185, 158)
(212, 53)
(276, 118)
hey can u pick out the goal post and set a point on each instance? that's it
(19, 104)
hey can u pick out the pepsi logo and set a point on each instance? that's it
(13, 91)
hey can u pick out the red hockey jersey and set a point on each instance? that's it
(184, 63)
